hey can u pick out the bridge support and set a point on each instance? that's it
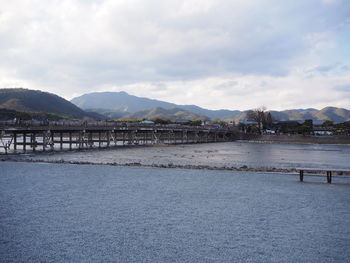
(84, 137)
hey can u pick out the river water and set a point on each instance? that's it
(91, 213)
(229, 154)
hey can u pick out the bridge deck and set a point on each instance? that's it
(55, 136)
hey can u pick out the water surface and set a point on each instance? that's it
(229, 154)
(85, 213)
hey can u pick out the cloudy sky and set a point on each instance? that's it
(234, 54)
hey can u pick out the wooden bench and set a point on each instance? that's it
(327, 170)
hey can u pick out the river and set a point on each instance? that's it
(218, 155)
(93, 213)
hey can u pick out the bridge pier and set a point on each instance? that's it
(83, 137)
(15, 141)
(24, 141)
(70, 141)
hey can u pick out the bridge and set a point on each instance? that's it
(24, 136)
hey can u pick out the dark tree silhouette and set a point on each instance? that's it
(261, 116)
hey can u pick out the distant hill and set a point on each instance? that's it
(329, 113)
(6, 114)
(167, 114)
(118, 101)
(37, 101)
(108, 114)
(334, 114)
(116, 105)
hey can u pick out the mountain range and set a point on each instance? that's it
(123, 105)
(116, 105)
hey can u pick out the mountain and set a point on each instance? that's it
(109, 114)
(118, 101)
(6, 114)
(303, 110)
(213, 114)
(329, 113)
(115, 103)
(166, 114)
(334, 114)
(25, 100)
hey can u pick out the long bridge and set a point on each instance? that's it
(67, 135)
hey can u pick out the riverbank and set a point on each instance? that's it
(137, 164)
(170, 166)
(296, 138)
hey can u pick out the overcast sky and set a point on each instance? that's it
(234, 54)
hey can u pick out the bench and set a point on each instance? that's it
(327, 170)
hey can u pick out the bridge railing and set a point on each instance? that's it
(101, 124)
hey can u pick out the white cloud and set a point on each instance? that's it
(193, 47)
(249, 91)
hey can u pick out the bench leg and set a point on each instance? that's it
(329, 177)
(301, 175)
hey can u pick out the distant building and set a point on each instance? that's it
(183, 122)
(248, 122)
(318, 122)
(323, 130)
(268, 131)
(287, 126)
(207, 122)
(147, 122)
(289, 123)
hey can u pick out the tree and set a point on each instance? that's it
(269, 120)
(308, 126)
(161, 121)
(327, 123)
(261, 116)
(196, 123)
(222, 123)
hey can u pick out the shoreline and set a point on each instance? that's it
(296, 139)
(172, 166)
(291, 142)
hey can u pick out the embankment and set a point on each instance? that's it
(307, 139)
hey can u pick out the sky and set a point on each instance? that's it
(217, 54)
